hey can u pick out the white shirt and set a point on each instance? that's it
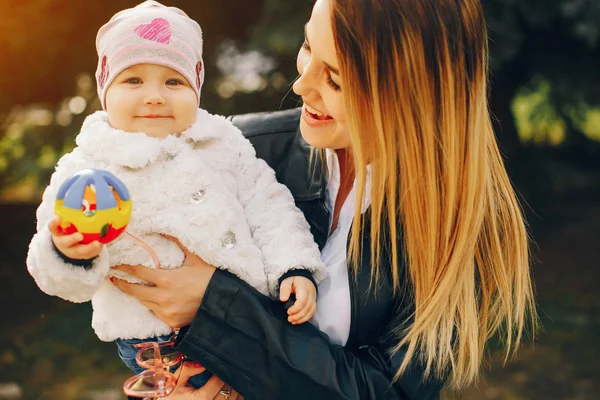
(333, 304)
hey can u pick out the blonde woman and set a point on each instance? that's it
(417, 222)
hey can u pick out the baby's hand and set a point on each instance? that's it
(306, 298)
(69, 244)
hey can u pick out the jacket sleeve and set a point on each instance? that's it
(51, 272)
(278, 227)
(244, 339)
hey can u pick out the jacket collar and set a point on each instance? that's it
(314, 185)
(136, 149)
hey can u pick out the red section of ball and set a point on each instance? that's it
(111, 234)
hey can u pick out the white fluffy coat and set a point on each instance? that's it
(241, 196)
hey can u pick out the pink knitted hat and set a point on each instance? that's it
(149, 33)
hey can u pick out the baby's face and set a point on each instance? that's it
(152, 99)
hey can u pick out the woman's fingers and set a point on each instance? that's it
(190, 258)
(183, 391)
(211, 389)
(226, 392)
(178, 243)
(177, 293)
(144, 293)
(187, 370)
(151, 275)
(233, 395)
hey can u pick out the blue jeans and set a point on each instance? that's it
(127, 353)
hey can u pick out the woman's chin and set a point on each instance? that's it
(315, 137)
(323, 137)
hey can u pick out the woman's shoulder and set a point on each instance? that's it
(275, 123)
(274, 135)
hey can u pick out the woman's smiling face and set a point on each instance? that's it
(323, 123)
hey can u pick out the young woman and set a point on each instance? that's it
(418, 224)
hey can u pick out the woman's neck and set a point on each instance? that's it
(346, 163)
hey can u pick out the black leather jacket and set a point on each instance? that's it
(244, 338)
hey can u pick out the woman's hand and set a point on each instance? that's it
(215, 389)
(174, 295)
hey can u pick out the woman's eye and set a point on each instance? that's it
(133, 81)
(333, 85)
(174, 82)
(305, 46)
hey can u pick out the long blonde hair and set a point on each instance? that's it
(417, 111)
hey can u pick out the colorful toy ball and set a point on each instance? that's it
(95, 203)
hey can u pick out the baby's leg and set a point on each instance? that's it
(127, 351)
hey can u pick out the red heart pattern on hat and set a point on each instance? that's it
(104, 71)
(159, 30)
(199, 74)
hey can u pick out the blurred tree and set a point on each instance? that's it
(551, 41)
(277, 35)
(544, 54)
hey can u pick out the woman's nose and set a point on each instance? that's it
(305, 84)
(299, 87)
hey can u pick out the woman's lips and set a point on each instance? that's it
(313, 119)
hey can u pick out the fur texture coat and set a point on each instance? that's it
(205, 187)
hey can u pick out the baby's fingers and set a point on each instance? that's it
(305, 314)
(87, 251)
(66, 241)
(53, 226)
(300, 303)
(74, 250)
(285, 289)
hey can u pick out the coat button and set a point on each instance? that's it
(198, 197)
(228, 240)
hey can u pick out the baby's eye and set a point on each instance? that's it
(175, 82)
(133, 81)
